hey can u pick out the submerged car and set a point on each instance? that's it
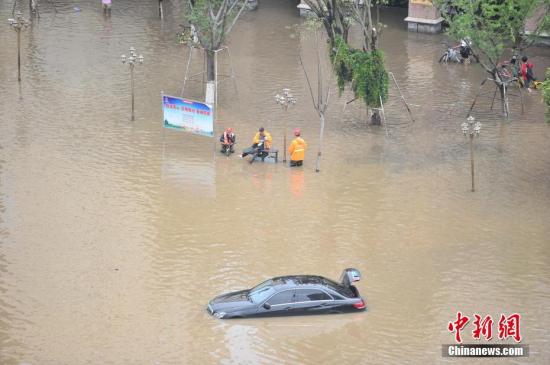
(292, 295)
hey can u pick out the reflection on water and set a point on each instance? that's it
(297, 183)
(114, 234)
(197, 174)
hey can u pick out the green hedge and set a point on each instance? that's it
(546, 88)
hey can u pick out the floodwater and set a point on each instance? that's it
(115, 234)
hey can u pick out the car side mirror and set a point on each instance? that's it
(267, 306)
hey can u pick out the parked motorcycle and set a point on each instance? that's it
(450, 55)
(459, 54)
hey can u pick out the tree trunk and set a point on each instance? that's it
(321, 133)
(375, 119)
(501, 85)
(503, 99)
(345, 34)
(210, 65)
(211, 77)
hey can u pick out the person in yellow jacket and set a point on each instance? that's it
(297, 149)
(260, 142)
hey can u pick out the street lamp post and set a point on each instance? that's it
(285, 100)
(471, 128)
(17, 24)
(131, 60)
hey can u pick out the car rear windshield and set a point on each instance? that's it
(346, 292)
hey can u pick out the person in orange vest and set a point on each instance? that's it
(260, 143)
(297, 149)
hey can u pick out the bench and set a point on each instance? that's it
(273, 152)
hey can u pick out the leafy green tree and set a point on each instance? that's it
(495, 27)
(546, 91)
(363, 69)
(212, 21)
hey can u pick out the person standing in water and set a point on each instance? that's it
(297, 149)
(106, 4)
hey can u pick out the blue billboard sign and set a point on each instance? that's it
(188, 115)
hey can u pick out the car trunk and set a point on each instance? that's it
(348, 278)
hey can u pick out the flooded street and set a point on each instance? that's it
(114, 235)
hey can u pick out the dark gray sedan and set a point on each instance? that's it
(292, 295)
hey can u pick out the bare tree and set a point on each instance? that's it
(330, 13)
(362, 15)
(212, 21)
(321, 103)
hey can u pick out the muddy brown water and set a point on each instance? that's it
(114, 235)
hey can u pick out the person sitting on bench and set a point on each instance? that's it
(260, 144)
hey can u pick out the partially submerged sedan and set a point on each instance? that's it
(292, 295)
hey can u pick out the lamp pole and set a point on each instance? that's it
(471, 128)
(131, 60)
(285, 100)
(17, 24)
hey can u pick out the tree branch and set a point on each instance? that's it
(237, 16)
(309, 86)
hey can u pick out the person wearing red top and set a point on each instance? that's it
(227, 140)
(526, 72)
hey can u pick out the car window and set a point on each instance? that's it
(284, 297)
(337, 296)
(261, 294)
(343, 291)
(306, 295)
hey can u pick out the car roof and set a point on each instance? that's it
(309, 281)
(299, 280)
